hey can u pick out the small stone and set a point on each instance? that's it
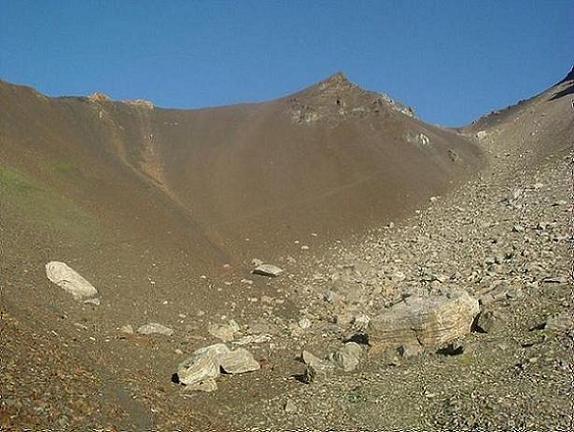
(127, 329)
(488, 321)
(518, 228)
(238, 361)
(269, 270)
(155, 328)
(316, 369)
(348, 357)
(290, 407)
(452, 349)
(253, 339)
(398, 276)
(305, 323)
(225, 332)
(256, 262)
(555, 279)
(94, 301)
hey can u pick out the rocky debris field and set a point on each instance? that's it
(501, 245)
(457, 318)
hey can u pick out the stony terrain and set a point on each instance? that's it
(306, 350)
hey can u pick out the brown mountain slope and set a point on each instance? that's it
(142, 201)
(535, 129)
(331, 159)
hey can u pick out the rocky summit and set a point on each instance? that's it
(323, 261)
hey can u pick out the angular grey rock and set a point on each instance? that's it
(202, 365)
(70, 280)
(428, 321)
(489, 321)
(316, 369)
(290, 407)
(155, 328)
(205, 365)
(225, 332)
(305, 323)
(238, 361)
(348, 357)
(267, 270)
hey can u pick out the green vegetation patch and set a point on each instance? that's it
(30, 201)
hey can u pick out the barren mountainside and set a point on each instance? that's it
(331, 159)
(323, 261)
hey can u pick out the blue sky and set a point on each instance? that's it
(451, 60)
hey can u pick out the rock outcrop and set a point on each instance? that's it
(205, 365)
(427, 321)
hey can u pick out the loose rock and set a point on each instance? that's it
(70, 280)
(155, 328)
(428, 321)
(269, 270)
(238, 361)
(348, 357)
(488, 321)
(202, 365)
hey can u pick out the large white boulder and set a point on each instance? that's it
(70, 280)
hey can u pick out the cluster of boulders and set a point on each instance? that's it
(204, 366)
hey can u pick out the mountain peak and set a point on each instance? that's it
(336, 99)
(336, 79)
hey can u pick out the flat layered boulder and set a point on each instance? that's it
(426, 321)
(268, 270)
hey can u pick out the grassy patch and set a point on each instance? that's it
(25, 198)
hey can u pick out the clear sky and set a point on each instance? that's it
(452, 60)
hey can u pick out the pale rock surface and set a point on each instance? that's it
(70, 280)
(428, 321)
(155, 328)
(267, 270)
(202, 365)
(238, 361)
(347, 357)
